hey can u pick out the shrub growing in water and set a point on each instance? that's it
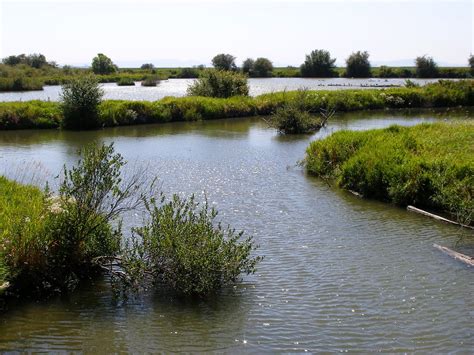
(126, 81)
(80, 100)
(219, 83)
(358, 65)
(183, 248)
(318, 64)
(426, 67)
(150, 81)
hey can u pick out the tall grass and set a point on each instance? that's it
(429, 165)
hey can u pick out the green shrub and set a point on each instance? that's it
(183, 248)
(101, 64)
(20, 84)
(224, 62)
(471, 63)
(318, 64)
(219, 83)
(247, 66)
(429, 165)
(80, 100)
(358, 65)
(126, 81)
(151, 80)
(262, 68)
(426, 67)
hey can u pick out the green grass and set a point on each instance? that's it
(21, 209)
(37, 114)
(429, 165)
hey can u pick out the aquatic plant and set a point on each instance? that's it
(219, 83)
(429, 165)
(183, 248)
(80, 100)
(126, 81)
(20, 83)
(150, 80)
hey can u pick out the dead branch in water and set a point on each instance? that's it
(454, 254)
(438, 218)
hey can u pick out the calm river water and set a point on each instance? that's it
(177, 87)
(340, 273)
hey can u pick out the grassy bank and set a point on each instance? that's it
(429, 165)
(37, 114)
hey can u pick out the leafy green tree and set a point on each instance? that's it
(247, 66)
(219, 83)
(471, 63)
(318, 64)
(80, 100)
(224, 62)
(147, 66)
(101, 64)
(358, 65)
(262, 68)
(426, 67)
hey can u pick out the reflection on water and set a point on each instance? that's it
(177, 87)
(340, 273)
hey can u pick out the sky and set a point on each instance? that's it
(191, 32)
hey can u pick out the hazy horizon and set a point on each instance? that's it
(187, 33)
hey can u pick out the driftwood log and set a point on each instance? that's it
(454, 254)
(438, 218)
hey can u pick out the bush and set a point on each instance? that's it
(183, 248)
(20, 84)
(318, 64)
(471, 63)
(247, 66)
(152, 80)
(126, 81)
(80, 100)
(262, 68)
(358, 65)
(224, 62)
(219, 83)
(147, 66)
(426, 67)
(101, 64)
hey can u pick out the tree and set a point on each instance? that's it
(80, 100)
(318, 64)
(224, 62)
(471, 63)
(262, 67)
(247, 66)
(101, 64)
(426, 67)
(358, 65)
(147, 66)
(36, 60)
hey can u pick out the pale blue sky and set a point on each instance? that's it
(186, 32)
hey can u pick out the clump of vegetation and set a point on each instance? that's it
(224, 62)
(126, 81)
(318, 64)
(219, 83)
(101, 64)
(426, 67)
(32, 60)
(80, 100)
(259, 68)
(147, 66)
(150, 80)
(50, 242)
(295, 117)
(183, 248)
(429, 165)
(411, 84)
(471, 63)
(20, 84)
(358, 65)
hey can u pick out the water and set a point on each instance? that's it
(177, 87)
(340, 273)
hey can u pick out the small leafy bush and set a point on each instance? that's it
(80, 100)
(152, 80)
(126, 81)
(183, 248)
(219, 83)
